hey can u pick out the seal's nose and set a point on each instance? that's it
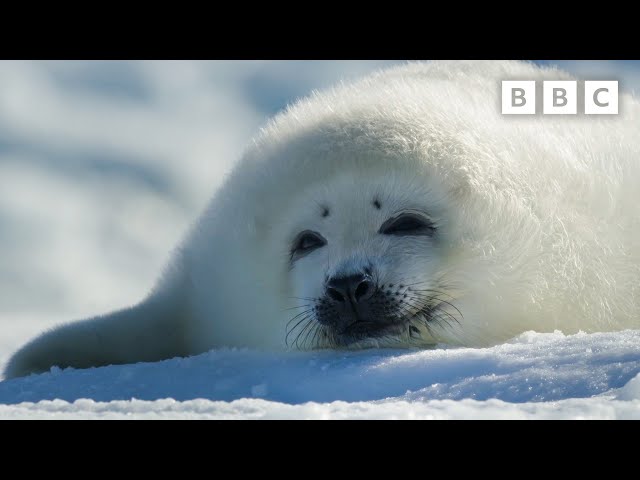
(355, 288)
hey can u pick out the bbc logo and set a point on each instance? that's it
(559, 97)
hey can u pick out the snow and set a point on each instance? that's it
(534, 376)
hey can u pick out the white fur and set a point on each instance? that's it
(538, 220)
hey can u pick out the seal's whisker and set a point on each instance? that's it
(293, 308)
(298, 316)
(306, 299)
(441, 301)
(313, 328)
(434, 312)
(289, 332)
(306, 326)
(434, 291)
(306, 319)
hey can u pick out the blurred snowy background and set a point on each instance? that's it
(104, 164)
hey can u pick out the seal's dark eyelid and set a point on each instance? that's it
(306, 242)
(408, 224)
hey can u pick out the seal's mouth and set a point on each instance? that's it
(362, 330)
(365, 328)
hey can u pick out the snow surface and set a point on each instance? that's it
(534, 376)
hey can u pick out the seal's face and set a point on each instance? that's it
(364, 258)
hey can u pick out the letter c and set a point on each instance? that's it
(595, 97)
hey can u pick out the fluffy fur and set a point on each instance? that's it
(537, 216)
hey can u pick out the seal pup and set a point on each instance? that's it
(399, 210)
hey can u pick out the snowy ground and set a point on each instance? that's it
(103, 165)
(535, 376)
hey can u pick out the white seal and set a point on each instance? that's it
(400, 210)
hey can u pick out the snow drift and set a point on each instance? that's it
(533, 376)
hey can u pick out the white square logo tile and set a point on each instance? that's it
(560, 97)
(518, 97)
(601, 97)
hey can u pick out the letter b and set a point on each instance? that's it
(518, 97)
(560, 97)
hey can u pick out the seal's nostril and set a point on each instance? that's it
(335, 294)
(350, 289)
(362, 289)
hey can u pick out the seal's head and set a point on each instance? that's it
(365, 264)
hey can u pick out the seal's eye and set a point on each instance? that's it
(306, 242)
(408, 223)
